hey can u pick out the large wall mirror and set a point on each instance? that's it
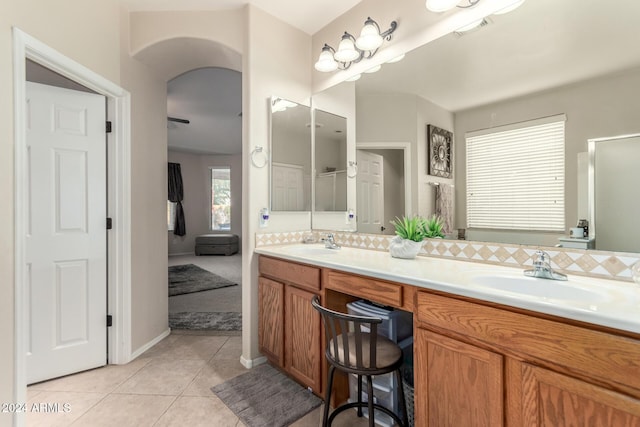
(545, 58)
(330, 162)
(290, 156)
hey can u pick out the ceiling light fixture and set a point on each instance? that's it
(352, 50)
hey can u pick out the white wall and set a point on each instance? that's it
(55, 26)
(197, 197)
(601, 107)
(266, 72)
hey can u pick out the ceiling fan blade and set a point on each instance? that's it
(174, 119)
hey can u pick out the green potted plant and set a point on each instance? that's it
(410, 232)
(433, 227)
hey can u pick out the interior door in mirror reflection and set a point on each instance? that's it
(370, 192)
(287, 187)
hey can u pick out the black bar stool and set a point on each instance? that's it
(351, 350)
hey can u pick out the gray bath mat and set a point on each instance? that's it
(206, 321)
(189, 278)
(265, 396)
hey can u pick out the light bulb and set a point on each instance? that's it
(370, 38)
(326, 63)
(346, 50)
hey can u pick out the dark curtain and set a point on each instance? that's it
(176, 194)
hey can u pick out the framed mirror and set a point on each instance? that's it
(290, 156)
(330, 162)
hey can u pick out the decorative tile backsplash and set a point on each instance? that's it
(593, 263)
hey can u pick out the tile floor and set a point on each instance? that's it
(169, 385)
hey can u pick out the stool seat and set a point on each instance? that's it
(362, 352)
(387, 352)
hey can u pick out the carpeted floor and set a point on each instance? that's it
(265, 396)
(189, 278)
(206, 321)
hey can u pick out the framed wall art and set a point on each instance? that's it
(439, 156)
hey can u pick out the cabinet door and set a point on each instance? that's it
(271, 320)
(456, 384)
(302, 338)
(556, 400)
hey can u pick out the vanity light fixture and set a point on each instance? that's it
(352, 50)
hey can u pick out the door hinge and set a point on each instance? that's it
(108, 128)
(109, 224)
(109, 320)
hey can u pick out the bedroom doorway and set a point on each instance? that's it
(204, 131)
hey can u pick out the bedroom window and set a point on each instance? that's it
(221, 198)
(171, 215)
(515, 176)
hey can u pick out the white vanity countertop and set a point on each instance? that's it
(603, 302)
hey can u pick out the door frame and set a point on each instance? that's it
(118, 199)
(406, 148)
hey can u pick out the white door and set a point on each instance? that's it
(66, 245)
(287, 187)
(370, 192)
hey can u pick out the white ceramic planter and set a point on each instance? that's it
(403, 248)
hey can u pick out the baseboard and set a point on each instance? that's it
(150, 344)
(252, 363)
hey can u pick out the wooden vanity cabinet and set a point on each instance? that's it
(482, 365)
(289, 328)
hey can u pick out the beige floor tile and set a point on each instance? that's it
(100, 380)
(231, 350)
(215, 372)
(190, 347)
(198, 412)
(163, 376)
(59, 408)
(312, 419)
(125, 410)
(161, 347)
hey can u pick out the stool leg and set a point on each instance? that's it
(370, 400)
(359, 395)
(401, 397)
(327, 398)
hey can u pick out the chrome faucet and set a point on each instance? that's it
(542, 267)
(330, 243)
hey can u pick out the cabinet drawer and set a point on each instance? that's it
(302, 275)
(593, 353)
(364, 287)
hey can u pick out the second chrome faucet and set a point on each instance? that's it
(542, 267)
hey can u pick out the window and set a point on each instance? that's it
(515, 176)
(221, 198)
(171, 215)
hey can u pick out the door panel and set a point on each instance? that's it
(66, 246)
(370, 192)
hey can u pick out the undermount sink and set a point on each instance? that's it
(539, 288)
(312, 250)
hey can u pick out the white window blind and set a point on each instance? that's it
(515, 176)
